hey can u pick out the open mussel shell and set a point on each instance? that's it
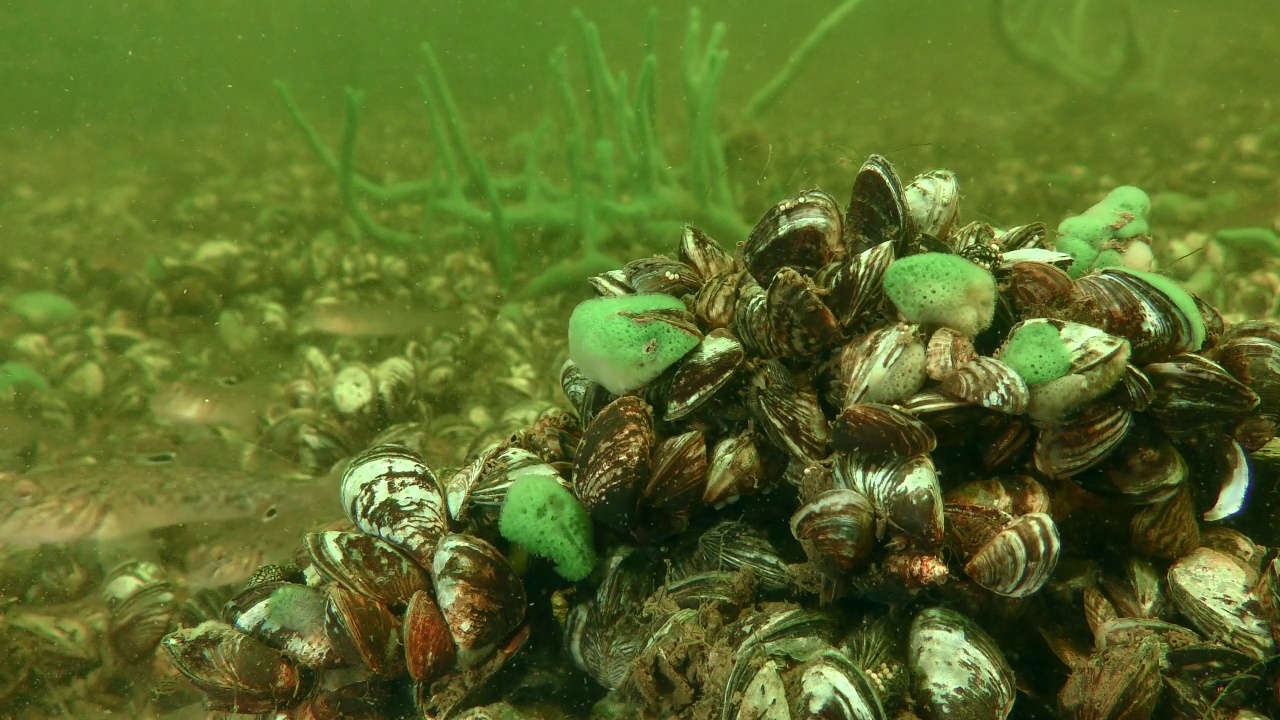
(479, 594)
(238, 673)
(1215, 592)
(365, 564)
(363, 631)
(614, 460)
(287, 617)
(958, 670)
(802, 232)
(877, 210)
(389, 492)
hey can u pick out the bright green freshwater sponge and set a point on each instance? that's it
(941, 289)
(625, 342)
(546, 519)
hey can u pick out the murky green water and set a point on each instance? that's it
(192, 285)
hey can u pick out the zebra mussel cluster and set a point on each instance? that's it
(847, 498)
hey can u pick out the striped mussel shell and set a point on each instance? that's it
(604, 635)
(1082, 441)
(1098, 364)
(1034, 285)
(1250, 351)
(676, 483)
(1167, 528)
(877, 210)
(658, 274)
(1144, 468)
(288, 617)
(142, 606)
(366, 565)
(797, 316)
(855, 284)
(904, 491)
(957, 668)
(1017, 560)
(238, 673)
(389, 492)
(731, 545)
(735, 469)
(947, 351)
(479, 594)
(833, 686)
(802, 232)
(363, 631)
(1215, 592)
(989, 383)
(1127, 306)
(887, 365)
(711, 365)
(483, 482)
(425, 636)
(788, 412)
(1192, 393)
(614, 461)
(839, 526)
(702, 253)
(395, 381)
(1010, 494)
(874, 430)
(933, 201)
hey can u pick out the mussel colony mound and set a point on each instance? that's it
(975, 485)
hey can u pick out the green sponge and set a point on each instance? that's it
(1035, 351)
(545, 518)
(1121, 215)
(624, 342)
(942, 289)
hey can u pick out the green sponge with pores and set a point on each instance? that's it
(623, 342)
(942, 289)
(546, 519)
(1035, 351)
(1121, 215)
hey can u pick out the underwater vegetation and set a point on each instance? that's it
(621, 175)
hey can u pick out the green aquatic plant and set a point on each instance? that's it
(620, 172)
(1088, 45)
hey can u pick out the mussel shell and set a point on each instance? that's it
(389, 492)
(678, 480)
(614, 460)
(932, 201)
(137, 624)
(239, 673)
(1125, 305)
(788, 413)
(1019, 559)
(365, 564)
(838, 525)
(1117, 682)
(363, 631)
(904, 491)
(428, 644)
(832, 686)
(287, 617)
(1036, 285)
(1215, 592)
(886, 365)
(877, 210)
(354, 391)
(702, 253)
(802, 232)
(735, 470)
(947, 351)
(707, 368)
(958, 670)
(878, 431)
(1167, 528)
(396, 383)
(732, 545)
(989, 383)
(1192, 392)
(716, 300)
(797, 315)
(1251, 353)
(855, 285)
(1082, 441)
(659, 274)
(479, 594)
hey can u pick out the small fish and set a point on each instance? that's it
(119, 500)
(233, 404)
(349, 320)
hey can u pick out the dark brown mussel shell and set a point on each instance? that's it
(797, 316)
(1127, 306)
(706, 369)
(1013, 495)
(614, 460)
(855, 284)
(658, 274)
(239, 673)
(1036, 285)
(788, 413)
(877, 210)
(142, 609)
(678, 480)
(1082, 441)
(736, 469)
(802, 232)
(1251, 353)
(1192, 393)
(702, 253)
(989, 383)
(479, 594)
(389, 492)
(1166, 529)
(365, 564)
(717, 299)
(838, 525)
(880, 431)
(428, 644)
(363, 631)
